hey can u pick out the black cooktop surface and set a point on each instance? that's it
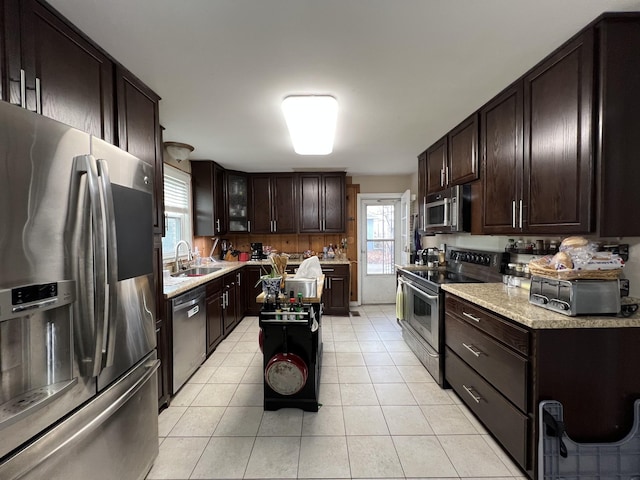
(440, 277)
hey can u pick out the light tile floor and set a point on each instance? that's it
(382, 415)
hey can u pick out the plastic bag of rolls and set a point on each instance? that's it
(578, 258)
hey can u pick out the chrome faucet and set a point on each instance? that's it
(189, 254)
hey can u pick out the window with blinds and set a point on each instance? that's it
(177, 206)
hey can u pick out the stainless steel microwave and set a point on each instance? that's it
(447, 211)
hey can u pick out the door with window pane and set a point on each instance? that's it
(380, 231)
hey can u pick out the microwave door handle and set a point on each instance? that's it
(447, 212)
(86, 165)
(111, 290)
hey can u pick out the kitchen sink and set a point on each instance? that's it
(196, 271)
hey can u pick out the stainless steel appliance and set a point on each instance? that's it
(423, 300)
(189, 335)
(447, 211)
(576, 297)
(78, 388)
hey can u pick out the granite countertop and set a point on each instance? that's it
(514, 303)
(177, 285)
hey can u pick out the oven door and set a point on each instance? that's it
(421, 312)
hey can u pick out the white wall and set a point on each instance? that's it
(384, 184)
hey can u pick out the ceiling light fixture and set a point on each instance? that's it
(178, 151)
(311, 120)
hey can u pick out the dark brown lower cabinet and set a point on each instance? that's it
(229, 305)
(215, 329)
(502, 370)
(335, 296)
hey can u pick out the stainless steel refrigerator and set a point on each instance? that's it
(78, 386)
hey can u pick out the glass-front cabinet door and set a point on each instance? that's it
(238, 202)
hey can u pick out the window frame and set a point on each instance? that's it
(184, 213)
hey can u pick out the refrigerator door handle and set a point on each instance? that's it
(111, 291)
(86, 165)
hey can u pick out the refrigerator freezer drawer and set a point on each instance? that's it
(113, 436)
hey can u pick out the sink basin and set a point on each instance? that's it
(196, 272)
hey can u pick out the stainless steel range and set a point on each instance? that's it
(423, 300)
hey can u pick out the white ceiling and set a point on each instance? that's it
(404, 71)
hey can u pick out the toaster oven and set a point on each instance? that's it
(576, 297)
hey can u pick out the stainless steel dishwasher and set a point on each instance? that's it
(189, 335)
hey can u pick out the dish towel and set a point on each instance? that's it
(399, 302)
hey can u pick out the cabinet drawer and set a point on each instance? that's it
(499, 365)
(507, 423)
(503, 330)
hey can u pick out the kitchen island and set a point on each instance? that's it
(504, 356)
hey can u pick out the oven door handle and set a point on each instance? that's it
(421, 292)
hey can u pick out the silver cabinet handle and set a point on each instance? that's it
(249, 226)
(520, 213)
(442, 177)
(446, 176)
(477, 353)
(472, 317)
(23, 88)
(275, 226)
(38, 97)
(238, 278)
(469, 390)
(218, 225)
(513, 214)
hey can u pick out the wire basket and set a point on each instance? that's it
(536, 268)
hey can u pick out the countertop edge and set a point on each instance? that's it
(172, 291)
(513, 303)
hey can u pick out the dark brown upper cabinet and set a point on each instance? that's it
(558, 168)
(209, 198)
(502, 160)
(453, 160)
(53, 69)
(237, 202)
(436, 164)
(536, 147)
(462, 164)
(617, 124)
(322, 202)
(139, 132)
(559, 145)
(273, 203)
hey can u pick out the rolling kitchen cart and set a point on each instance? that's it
(292, 350)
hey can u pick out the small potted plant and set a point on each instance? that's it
(272, 280)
